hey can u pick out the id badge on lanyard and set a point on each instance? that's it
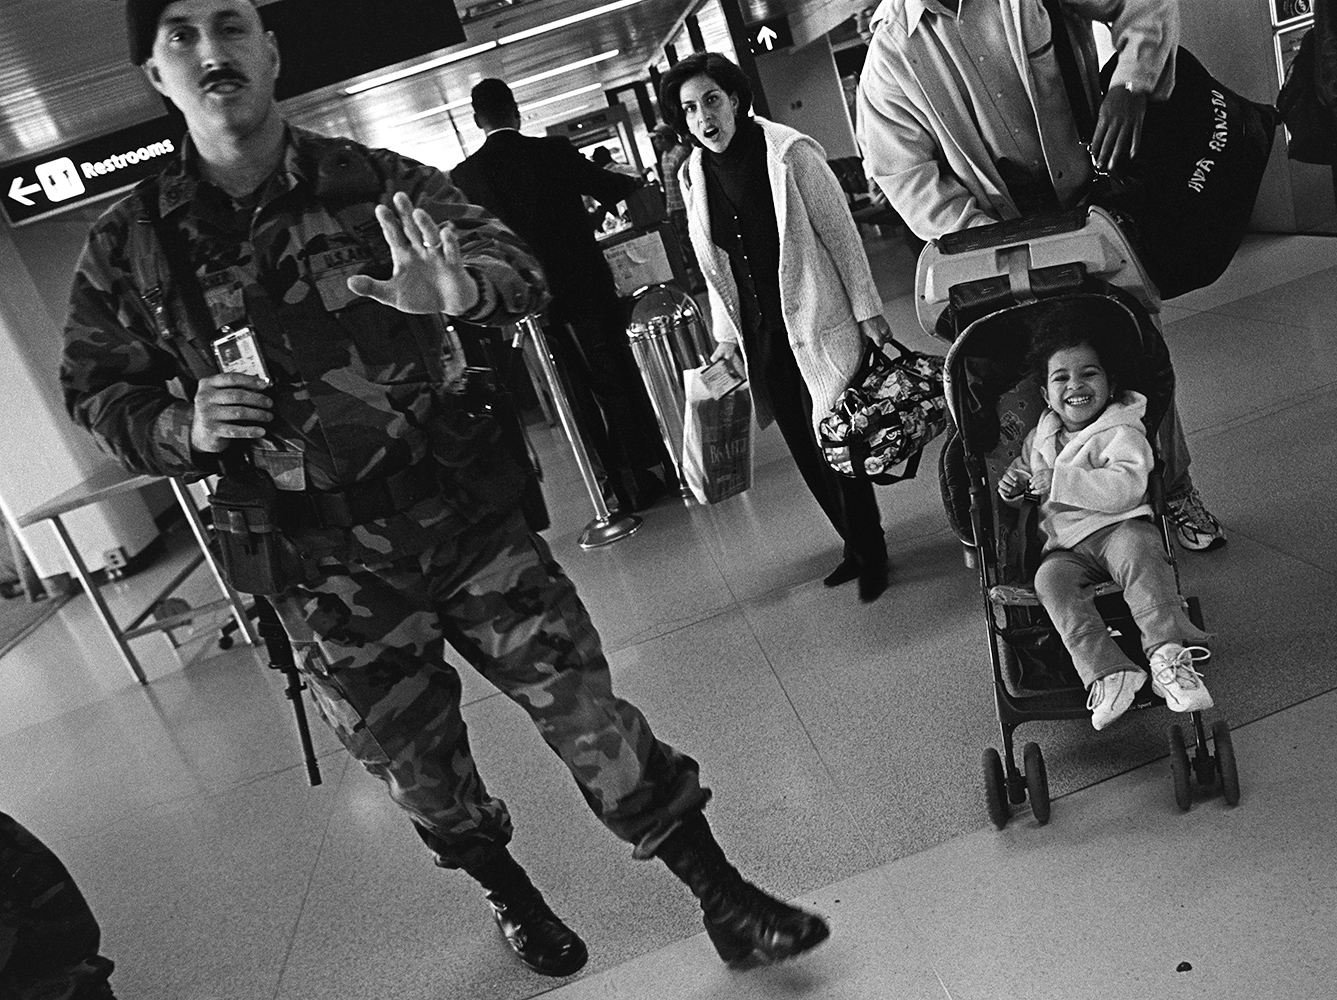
(238, 351)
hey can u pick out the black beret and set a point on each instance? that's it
(141, 26)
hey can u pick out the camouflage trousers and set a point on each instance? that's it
(48, 937)
(371, 640)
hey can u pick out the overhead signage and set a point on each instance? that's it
(64, 178)
(769, 35)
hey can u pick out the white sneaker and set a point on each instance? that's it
(1174, 677)
(1112, 694)
(1196, 527)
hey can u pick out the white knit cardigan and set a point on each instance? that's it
(826, 287)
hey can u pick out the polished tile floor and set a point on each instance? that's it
(842, 741)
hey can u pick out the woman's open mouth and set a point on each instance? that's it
(1077, 400)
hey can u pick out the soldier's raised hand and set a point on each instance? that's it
(428, 274)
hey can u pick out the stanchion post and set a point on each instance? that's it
(606, 527)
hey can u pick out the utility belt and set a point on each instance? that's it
(358, 503)
(251, 518)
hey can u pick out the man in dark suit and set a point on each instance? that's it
(536, 186)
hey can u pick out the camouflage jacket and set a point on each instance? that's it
(358, 385)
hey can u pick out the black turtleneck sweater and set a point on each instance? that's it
(743, 225)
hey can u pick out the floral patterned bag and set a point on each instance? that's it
(891, 410)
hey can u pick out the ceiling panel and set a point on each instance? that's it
(375, 116)
(64, 76)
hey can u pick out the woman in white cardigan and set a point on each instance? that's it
(788, 280)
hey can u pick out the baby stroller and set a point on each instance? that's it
(985, 290)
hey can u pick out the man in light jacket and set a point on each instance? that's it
(964, 120)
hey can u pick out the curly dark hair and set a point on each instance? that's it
(1072, 324)
(732, 80)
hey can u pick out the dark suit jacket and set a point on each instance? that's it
(534, 185)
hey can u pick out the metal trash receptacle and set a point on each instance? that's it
(668, 336)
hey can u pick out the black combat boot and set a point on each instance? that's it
(748, 927)
(533, 931)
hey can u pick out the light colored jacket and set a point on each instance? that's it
(1100, 474)
(826, 286)
(916, 127)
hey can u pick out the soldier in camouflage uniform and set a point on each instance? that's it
(48, 936)
(400, 515)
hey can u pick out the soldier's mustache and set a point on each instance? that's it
(224, 75)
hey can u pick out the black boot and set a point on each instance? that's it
(748, 927)
(533, 931)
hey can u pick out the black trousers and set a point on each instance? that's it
(608, 395)
(849, 504)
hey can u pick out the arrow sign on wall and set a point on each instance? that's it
(20, 193)
(769, 35)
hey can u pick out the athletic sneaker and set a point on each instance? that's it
(1112, 694)
(1174, 677)
(1195, 525)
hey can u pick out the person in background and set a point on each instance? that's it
(964, 120)
(788, 279)
(673, 153)
(399, 519)
(536, 187)
(602, 157)
(49, 938)
(1325, 65)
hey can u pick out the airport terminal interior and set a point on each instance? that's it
(842, 740)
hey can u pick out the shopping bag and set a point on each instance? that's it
(1185, 199)
(891, 409)
(717, 440)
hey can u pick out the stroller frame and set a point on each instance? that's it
(991, 275)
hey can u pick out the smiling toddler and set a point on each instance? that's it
(1086, 464)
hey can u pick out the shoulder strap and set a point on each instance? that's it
(1067, 66)
(176, 255)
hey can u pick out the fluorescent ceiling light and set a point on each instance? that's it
(536, 78)
(446, 60)
(563, 114)
(427, 67)
(439, 109)
(563, 22)
(578, 64)
(560, 97)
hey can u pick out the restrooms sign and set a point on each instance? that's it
(63, 178)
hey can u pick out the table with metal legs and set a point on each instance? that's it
(111, 480)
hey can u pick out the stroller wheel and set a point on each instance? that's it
(1225, 762)
(1179, 768)
(995, 788)
(1037, 782)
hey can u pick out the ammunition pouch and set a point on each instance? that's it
(252, 553)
